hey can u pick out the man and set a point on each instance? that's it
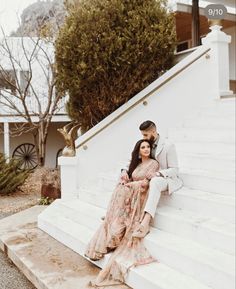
(166, 179)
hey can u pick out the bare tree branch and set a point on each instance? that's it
(31, 91)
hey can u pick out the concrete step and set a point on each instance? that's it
(208, 204)
(211, 232)
(211, 121)
(212, 135)
(205, 180)
(210, 266)
(76, 237)
(207, 161)
(219, 149)
(221, 107)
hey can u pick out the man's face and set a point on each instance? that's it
(148, 134)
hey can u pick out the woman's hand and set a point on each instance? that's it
(145, 184)
(124, 177)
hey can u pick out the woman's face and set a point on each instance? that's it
(144, 150)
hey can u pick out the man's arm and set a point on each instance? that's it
(172, 163)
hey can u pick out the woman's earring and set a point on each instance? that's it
(139, 156)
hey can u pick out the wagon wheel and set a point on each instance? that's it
(26, 155)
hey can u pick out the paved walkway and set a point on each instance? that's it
(47, 262)
(10, 276)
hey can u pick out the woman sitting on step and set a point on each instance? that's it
(119, 230)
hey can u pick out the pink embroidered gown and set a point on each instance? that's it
(124, 213)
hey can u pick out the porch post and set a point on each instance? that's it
(195, 24)
(6, 139)
(219, 41)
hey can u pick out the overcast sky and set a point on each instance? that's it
(10, 10)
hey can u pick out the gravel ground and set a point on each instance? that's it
(10, 276)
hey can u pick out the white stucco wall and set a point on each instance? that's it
(232, 52)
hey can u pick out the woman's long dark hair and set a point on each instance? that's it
(135, 159)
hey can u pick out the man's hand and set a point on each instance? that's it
(152, 175)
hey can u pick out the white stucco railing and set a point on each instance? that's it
(194, 81)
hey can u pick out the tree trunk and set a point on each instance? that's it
(40, 140)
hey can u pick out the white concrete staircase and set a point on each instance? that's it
(205, 144)
(193, 234)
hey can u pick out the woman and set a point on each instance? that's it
(124, 214)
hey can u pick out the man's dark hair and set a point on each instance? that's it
(147, 125)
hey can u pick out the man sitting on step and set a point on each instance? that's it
(165, 180)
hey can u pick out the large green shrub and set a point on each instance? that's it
(10, 176)
(109, 50)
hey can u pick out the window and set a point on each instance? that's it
(182, 46)
(24, 78)
(8, 80)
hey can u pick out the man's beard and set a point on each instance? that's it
(152, 139)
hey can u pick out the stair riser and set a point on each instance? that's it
(198, 270)
(225, 108)
(207, 163)
(206, 148)
(204, 236)
(60, 235)
(90, 221)
(206, 136)
(210, 122)
(220, 112)
(99, 200)
(206, 207)
(202, 183)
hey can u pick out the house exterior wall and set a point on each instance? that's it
(232, 52)
(21, 49)
(55, 142)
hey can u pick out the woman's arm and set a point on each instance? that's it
(152, 170)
